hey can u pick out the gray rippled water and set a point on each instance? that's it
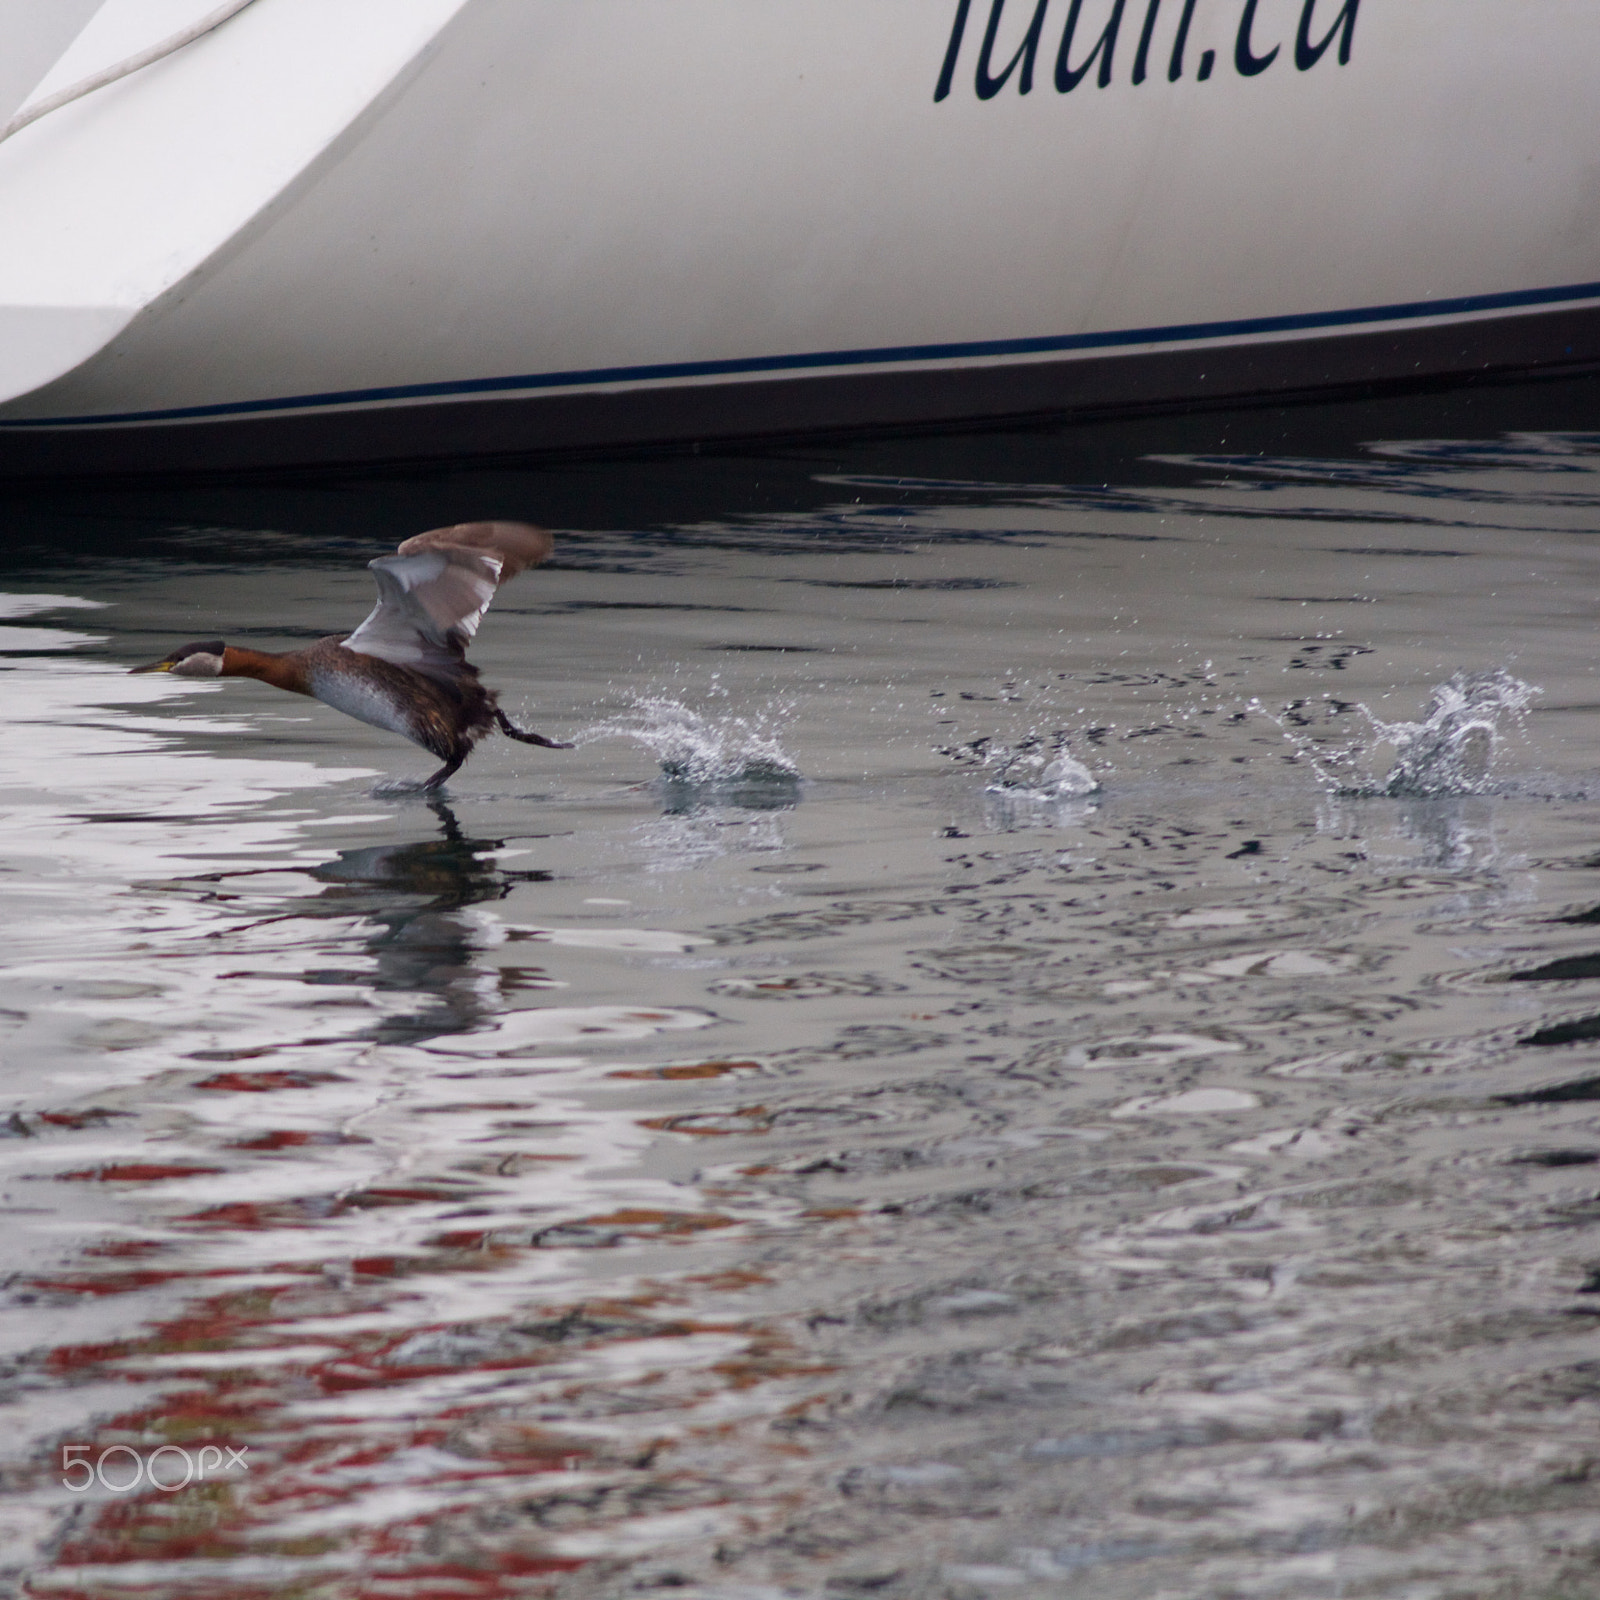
(1044, 1041)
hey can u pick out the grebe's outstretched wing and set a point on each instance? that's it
(433, 592)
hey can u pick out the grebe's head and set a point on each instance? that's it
(202, 660)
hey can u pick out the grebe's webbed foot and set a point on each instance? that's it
(447, 771)
(511, 731)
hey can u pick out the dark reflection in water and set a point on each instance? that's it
(413, 893)
(761, 499)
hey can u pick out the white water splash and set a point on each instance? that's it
(1062, 777)
(1450, 751)
(704, 752)
(1037, 767)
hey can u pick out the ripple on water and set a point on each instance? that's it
(950, 1184)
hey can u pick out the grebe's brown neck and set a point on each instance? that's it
(281, 671)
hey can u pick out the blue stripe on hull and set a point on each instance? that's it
(1183, 333)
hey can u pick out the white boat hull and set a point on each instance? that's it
(355, 230)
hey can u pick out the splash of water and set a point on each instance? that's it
(1452, 750)
(703, 752)
(1037, 767)
(1042, 772)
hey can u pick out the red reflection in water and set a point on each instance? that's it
(301, 1212)
(266, 1082)
(332, 1472)
(713, 1124)
(470, 1477)
(690, 1073)
(136, 1172)
(75, 1120)
(390, 1454)
(106, 1283)
(294, 1139)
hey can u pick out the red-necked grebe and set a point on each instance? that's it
(405, 668)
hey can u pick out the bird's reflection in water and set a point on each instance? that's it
(414, 895)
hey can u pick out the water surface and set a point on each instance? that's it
(1045, 1041)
